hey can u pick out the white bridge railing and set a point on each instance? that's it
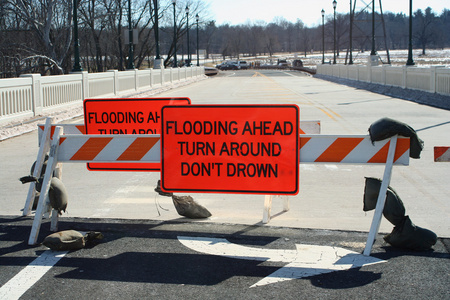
(32, 94)
(433, 79)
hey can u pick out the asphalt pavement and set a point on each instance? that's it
(144, 259)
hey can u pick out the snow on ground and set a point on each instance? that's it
(398, 57)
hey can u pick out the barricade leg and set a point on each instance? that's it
(55, 213)
(267, 208)
(286, 206)
(44, 202)
(375, 226)
(54, 221)
(43, 150)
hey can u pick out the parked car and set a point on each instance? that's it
(282, 63)
(227, 65)
(242, 65)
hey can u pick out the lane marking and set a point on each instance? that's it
(25, 279)
(304, 261)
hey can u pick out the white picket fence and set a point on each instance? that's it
(32, 94)
(433, 79)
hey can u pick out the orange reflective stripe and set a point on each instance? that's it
(381, 155)
(402, 147)
(81, 128)
(303, 141)
(339, 149)
(138, 149)
(91, 148)
(439, 151)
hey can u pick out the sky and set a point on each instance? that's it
(235, 12)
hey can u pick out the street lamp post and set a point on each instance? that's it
(130, 39)
(76, 46)
(410, 61)
(198, 59)
(157, 64)
(187, 30)
(323, 36)
(334, 25)
(373, 52)
(174, 2)
(351, 31)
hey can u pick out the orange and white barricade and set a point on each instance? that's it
(342, 149)
(441, 154)
(88, 148)
(45, 134)
(306, 127)
(146, 149)
(358, 150)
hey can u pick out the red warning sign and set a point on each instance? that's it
(230, 149)
(126, 116)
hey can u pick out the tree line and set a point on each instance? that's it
(36, 36)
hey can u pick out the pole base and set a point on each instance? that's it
(158, 64)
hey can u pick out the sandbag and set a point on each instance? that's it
(70, 240)
(409, 236)
(386, 128)
(65, 240)
(393, 210)
(187, 207)
(58, 195)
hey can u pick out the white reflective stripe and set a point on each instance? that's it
(25, 279)
(154, 155)
(69, 147)
(314, 148)
(114, 149)
(364, 151)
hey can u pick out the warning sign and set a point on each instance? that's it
(230, 149)
(126, 116)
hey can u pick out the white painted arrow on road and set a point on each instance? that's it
(304, 261)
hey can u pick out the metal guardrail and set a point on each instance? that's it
(31, 95)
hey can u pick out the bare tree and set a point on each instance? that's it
(50, 21)
(424, 24)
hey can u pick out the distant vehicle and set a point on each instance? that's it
(209, 71)
(297, 63)
(282, 63)
(227, 65)
(242, 65)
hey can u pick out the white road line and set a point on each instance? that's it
(26, 278)
(304, 261)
